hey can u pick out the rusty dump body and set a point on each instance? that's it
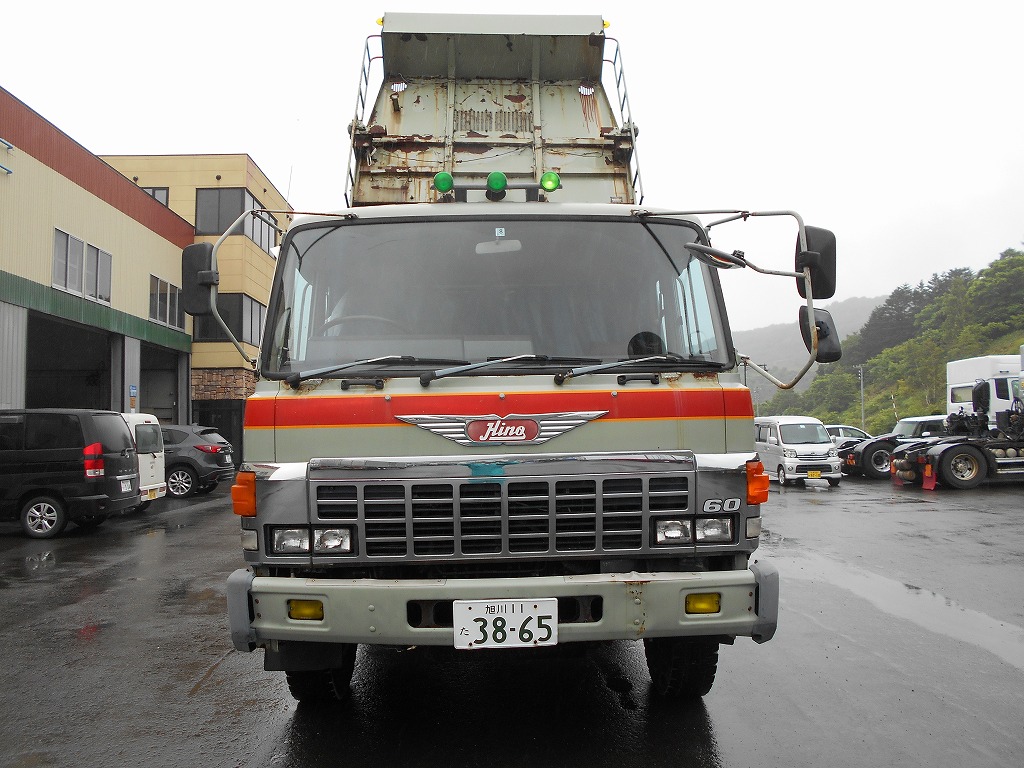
(474, 94)
(488, 420)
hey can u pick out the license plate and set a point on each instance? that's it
(505, 623)
(126, 485)
(814, 474)
(151, 494)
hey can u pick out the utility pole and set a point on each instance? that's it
(860, 373)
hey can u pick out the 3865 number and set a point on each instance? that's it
(498, 631)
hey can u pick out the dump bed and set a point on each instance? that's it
(474, 94)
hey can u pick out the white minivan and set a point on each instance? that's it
(796, 448)
(149, 445)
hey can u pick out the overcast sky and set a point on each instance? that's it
(898, 125)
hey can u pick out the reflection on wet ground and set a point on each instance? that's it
(929, 610)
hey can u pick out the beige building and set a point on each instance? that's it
(211, 192)
(90, 276)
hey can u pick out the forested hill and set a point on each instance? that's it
(779, 346)
(906, 342)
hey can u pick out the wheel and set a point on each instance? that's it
(681, 667)
(205, 489)
(181, 482)
(324, 685)
(783, 480)
(962, 467)
(875, 461)
(43, 517)
(336, 321)
(88, 522)
(834, 482)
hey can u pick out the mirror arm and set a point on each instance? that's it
(813, 328)
(213, 260)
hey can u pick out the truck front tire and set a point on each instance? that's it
(875, 461)
(681, 668)
(324, 685)
(962, 467)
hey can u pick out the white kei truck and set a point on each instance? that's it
(498, 404)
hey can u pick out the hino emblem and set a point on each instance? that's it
(514, 429)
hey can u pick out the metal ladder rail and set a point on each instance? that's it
(360, 112)
(626, 114)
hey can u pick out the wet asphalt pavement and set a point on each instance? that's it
(901, 642)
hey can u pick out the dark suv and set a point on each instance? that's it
(197, 458)
(65, 465)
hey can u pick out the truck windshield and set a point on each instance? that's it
(479, 289)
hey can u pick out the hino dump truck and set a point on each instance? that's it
(498, 402)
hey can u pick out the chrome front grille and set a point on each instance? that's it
(512, 517)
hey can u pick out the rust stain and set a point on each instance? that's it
(476, 135)
(517, 98)
(589, 104)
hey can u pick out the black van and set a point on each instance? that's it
(59, 465)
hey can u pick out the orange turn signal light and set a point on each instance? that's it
(243, 494)
(757, 483)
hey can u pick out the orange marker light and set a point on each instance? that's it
(757, 483)
(243, 494)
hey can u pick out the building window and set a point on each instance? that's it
(157, 193)
(81, 268)
(243, 315)
(217, 209)
(164, 306)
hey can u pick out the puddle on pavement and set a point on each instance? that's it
(930, 610)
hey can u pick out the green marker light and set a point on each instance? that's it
(497, 181)
(550, 181)
(443, 181)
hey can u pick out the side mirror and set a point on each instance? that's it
(820, 256)
(980, 397)
(772, 440)
(829, 347)
(199, 279)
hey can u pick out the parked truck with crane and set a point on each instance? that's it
(498, 402)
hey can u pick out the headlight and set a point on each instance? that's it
(332, 539)
(714, 529)
(789, 453)
(833, 453)
(672, 532)
(290, 540)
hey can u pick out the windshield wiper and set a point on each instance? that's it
(429, 376)
(295, 378)
(671, 357)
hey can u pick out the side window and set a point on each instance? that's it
(1003, 389)
(173, 436)
(52, 431)
(12, 432)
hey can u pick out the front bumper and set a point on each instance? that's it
(636, 605)
(797, 469)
